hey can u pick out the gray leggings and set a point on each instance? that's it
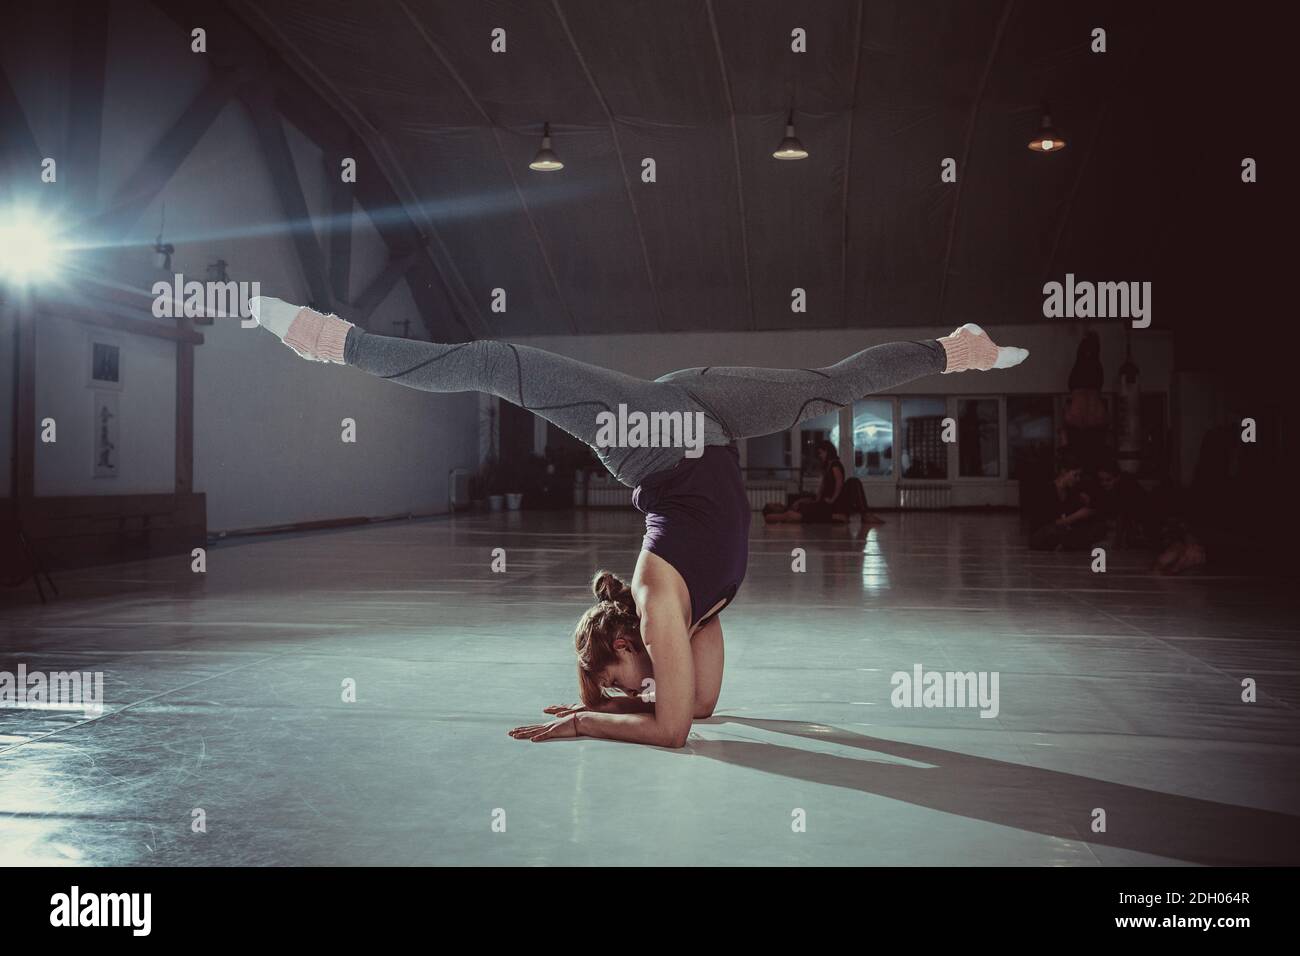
(735, 402)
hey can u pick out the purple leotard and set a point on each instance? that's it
(697, 519)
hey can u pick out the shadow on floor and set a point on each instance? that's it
(1027, 798)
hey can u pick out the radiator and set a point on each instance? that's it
(924, 497)
(602, 492)
(766, 492)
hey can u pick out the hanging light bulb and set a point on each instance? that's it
(1048, 139)
(790, 147)
(546, 161)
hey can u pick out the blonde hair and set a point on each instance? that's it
(613, 616)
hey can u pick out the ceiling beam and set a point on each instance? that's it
(123, 309)
(152, 175)
(505, 159)
(963, 170)
(18, 148)
(379, 199)
(322, 114)
(735, 154)
(338, 233)
(374, 294)
(429, 289)
(622, 164)
(284, 176)
(303, 92)
(87, 33)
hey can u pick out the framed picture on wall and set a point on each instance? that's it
(105, 362)
(107, 442)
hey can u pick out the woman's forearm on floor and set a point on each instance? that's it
(632, 728)
(624, 705)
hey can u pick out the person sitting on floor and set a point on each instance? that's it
(1123, 504)
(1074, 522)
(837, 498)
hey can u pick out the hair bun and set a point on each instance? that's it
(608, 586)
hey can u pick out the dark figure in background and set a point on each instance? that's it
(1237, 515)
(1125, 505)
(1205, 521)
(837, 498)
(1086, 422)
(1070, 519)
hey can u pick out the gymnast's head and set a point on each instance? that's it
(611, 656)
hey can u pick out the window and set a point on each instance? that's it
(768, 456)
(977, 438)
(1031, 438)
(924, 454)
(873, 438)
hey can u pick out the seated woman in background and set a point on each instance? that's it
(1070, 520)
(837, 498)
(1125, 505)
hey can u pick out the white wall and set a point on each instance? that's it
(146, 436)
(267, 446)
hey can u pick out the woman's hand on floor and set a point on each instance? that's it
(555, 730)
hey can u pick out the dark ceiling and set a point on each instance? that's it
(884, 93)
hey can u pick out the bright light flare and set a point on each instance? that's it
(29, 251)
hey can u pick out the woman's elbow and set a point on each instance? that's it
(675, 738)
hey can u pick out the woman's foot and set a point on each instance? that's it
(314, 336)
(970, 347)
(1168, 558)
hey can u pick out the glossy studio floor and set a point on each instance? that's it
(1119, 702)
